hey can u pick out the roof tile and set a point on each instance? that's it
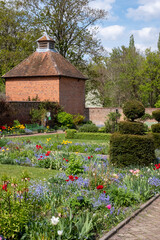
(45, 64)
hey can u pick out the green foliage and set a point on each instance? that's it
(16, 123)
(70, 133)
(146, 116)
(38, 115)
(155, 128)
(122, 197)
(156, 137)
(126, 150)
(135, 128)
(75, 165)
(72, 40)
(65, 119)
(149, 84)
(88, 128)
(156, 115)
(133, 109)
(111, 124)
(78, 119)
(17, 38)
(92, 136)
(3, 141)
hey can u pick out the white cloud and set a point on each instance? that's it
(146, 34)
(146, 38)
(102, 4)
(110, 33)
(147, 10)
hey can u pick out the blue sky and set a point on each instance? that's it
(126, 17)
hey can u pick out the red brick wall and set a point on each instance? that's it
(19, 89)
(72, 95)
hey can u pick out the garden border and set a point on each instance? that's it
(127, 220)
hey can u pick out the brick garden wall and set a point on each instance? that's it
(20, 111)
(99, 115)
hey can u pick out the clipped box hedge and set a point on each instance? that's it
(126, 150)
(135, 128)
(156, 137)
(73, 134)
(155, 128)
(70, 133)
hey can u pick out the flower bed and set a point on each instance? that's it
(87, 197)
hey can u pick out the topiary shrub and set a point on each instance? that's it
(126, 150)
(156, 115)
(88, 128)
(135, 128)
(133, 109)
(155, 128)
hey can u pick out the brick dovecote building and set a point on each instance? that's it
(48, 75)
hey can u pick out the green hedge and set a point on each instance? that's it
(88, 128)
(126, 150)
(156, 137)
(155, 128)
(135, 128)
(72, 134)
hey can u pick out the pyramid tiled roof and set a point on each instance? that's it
(45, 64)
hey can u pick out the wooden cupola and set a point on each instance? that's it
(45, 43)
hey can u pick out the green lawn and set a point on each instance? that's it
(35, 173)
(56, 137)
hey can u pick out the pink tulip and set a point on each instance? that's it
(108, 206)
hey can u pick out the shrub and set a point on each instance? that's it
(88, 128)
(70, 133)
(111, 123)
(78, 119)
(126, 150)
(156, 137)
(38, 115)
(155, 128)
(65, 119)
(135, 128)
(92, 136)
(133, 109)
(146, 116)
(156, 115)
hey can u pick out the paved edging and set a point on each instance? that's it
(127, 220)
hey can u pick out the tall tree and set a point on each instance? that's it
(158, 44)
(69, 22)
(150, 75)
(118, 77)
(16, 37)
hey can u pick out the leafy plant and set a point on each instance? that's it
(111, 124)
(88, 128)
(75, 165)
(65, 119)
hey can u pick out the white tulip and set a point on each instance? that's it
(60, 232)
(54, 220)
